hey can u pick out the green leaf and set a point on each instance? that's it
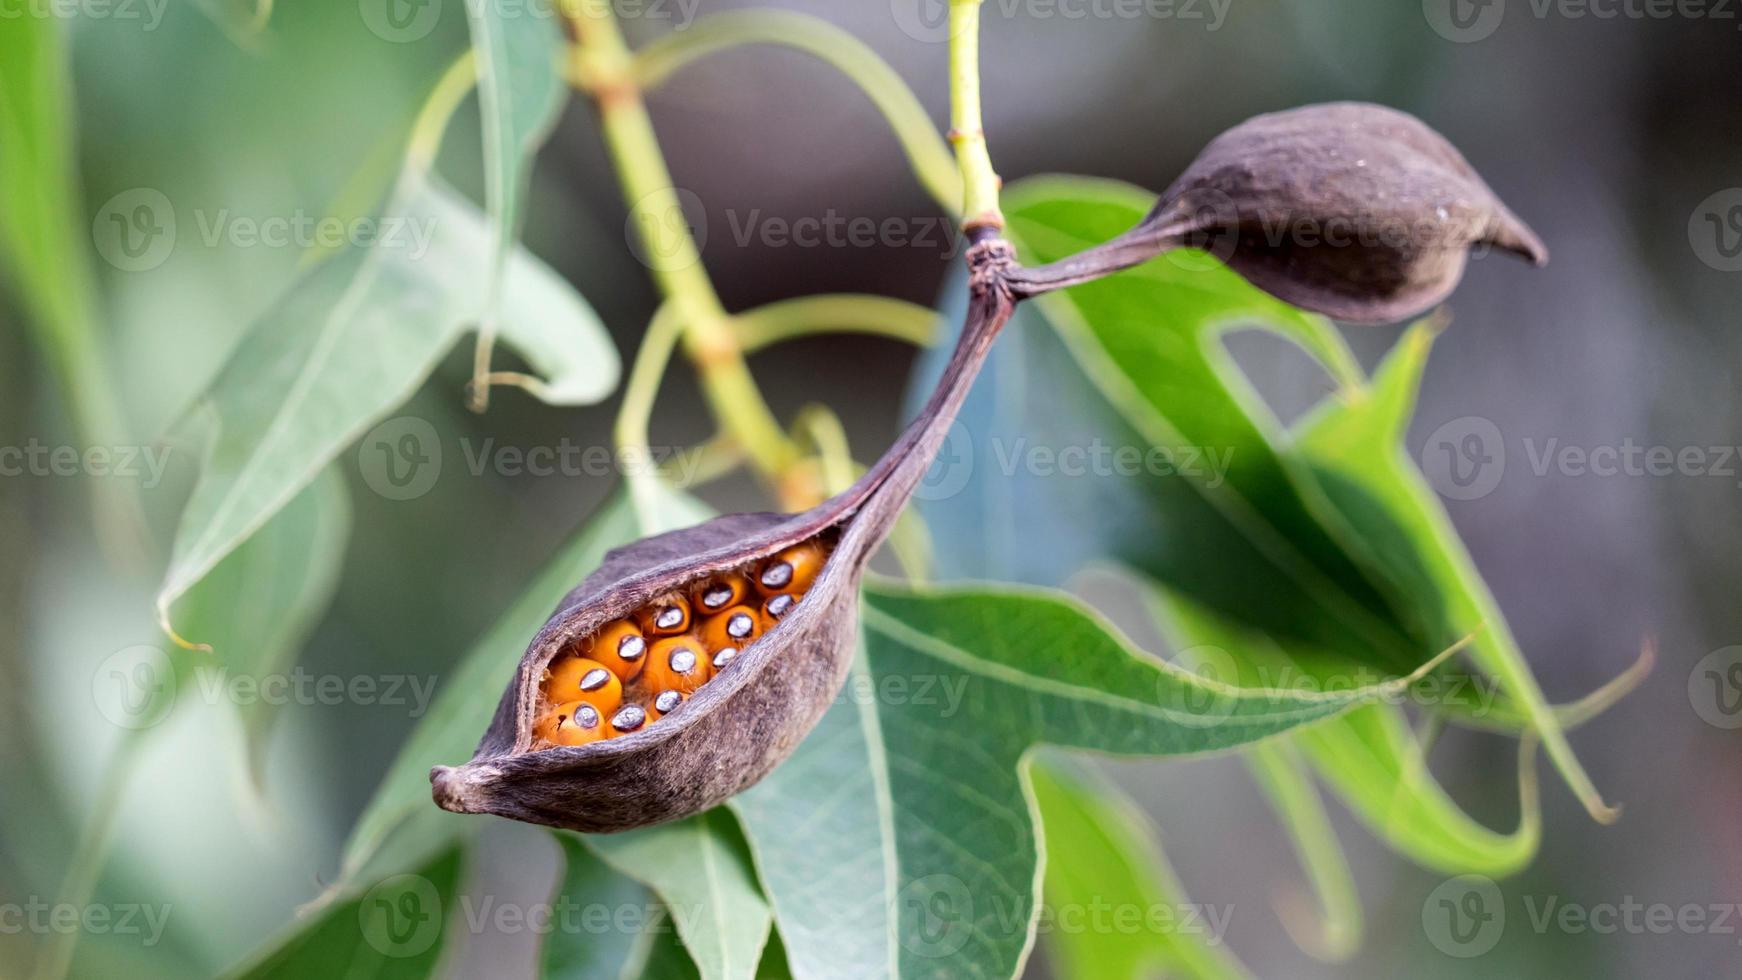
(265, 598)
(44, 251)
(1330, 558)
(42, 237)
(520, 95)
(667, 959)
(1331, 930)
(394, 930)
(701, 870)
(1254, 539)
(1371, 758)
(1101, 854)
(955, 688)
(1356, 450)
(597, 947)
(350, 341)
(401, 809)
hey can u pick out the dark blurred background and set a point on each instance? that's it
(1615, 137)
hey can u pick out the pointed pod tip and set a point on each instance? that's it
(1516, 237)
(459, 789)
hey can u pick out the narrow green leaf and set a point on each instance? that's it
(919, 858)
(666, 959)
(701, 870)
(1331, 930)
(1370, 757)
(1101, 855)
(520, 95)
(820, 827)
(1357, 451)
(45, 253)
(394, 931)
(265, 598)
(351, 340)
(588, 945)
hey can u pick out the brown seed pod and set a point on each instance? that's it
(740, 725)
(1353, 210)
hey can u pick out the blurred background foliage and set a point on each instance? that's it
(1605, 134)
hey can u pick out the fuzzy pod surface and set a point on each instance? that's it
(1356, 211)
(736, 728)
(1412, 207)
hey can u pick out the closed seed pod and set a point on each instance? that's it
(735, 627)
(620, 647)
(1353, 210)
(719, 594)
(793, 570)
(735, 729)
(578, 679)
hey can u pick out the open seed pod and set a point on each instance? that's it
(1356, 211)
(662, 759)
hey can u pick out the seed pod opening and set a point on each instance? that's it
(1349, 209)
(740, 722)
